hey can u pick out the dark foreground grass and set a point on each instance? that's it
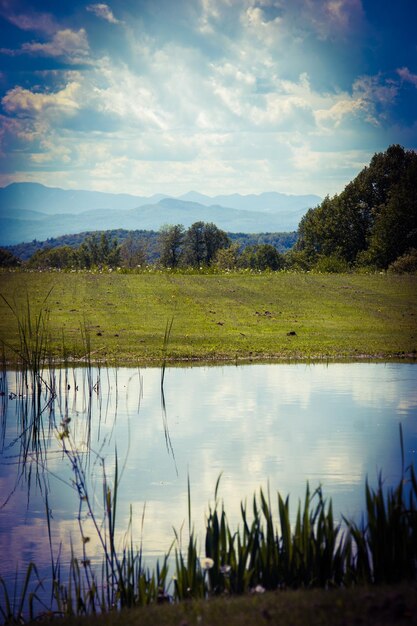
(236, 316)
(374, 606)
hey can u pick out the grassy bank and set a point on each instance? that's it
(219, 316)
(349, 607)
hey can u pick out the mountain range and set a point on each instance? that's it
(31, 211)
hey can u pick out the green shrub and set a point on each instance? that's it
(405, 264)
(7, 259)
(332, 264)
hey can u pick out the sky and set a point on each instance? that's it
(216, 96)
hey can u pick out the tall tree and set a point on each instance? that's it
(215, 239)
(195, 245)
(395, 228)
(202, 241)
(133, 251)
(171, 240)
(99, 250)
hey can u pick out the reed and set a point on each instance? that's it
(167, 335)
(122, 580)
(386, 541)
(33, 332)
(13, 607)
(263, 553)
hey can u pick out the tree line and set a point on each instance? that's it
(372, 223)
(202, 245)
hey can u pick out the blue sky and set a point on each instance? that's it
(218, 96)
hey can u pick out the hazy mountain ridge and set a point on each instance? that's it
(31, 211)
(53, 200)
(269, 201)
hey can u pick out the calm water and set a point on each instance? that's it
(283, 424)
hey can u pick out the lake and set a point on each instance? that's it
(275, 425)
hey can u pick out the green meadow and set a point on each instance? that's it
(282, 315)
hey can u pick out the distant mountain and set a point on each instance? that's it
(271, 201)
(31, 211)
(52, 200)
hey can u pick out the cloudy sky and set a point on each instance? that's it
(218, 96)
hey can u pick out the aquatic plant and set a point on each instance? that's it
(264, 553)
(13, 607)
(122, 580)
(167, 335)
(386, 540)
(33, 334)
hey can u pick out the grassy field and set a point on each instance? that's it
(234, 316)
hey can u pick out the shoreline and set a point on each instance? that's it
(225, 360)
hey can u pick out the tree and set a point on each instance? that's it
(133, 251)
(373, 220)
(395, 227)
(195, 245)
(268, 257)
(215, 240)
(7, 259)
(99, 250)
(262, 257)
(202, 241)
(61, 257)
(227, 258)
(171, 240)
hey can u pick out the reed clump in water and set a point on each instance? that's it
(33, 331)
(264, 553)
(37, 384)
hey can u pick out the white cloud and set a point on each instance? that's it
(53, 151)
(103, 11)
(337, 16)
(40, 22)
(376, 95)
(180, 128)
(67, 44)
(73, 45)
(22, 101)
(130, 96)
(407, 76)
(209, 12)
(309, 160)
(328, 19)
(270, 33)
(334, 115)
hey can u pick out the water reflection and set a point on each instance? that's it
(285, 424)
